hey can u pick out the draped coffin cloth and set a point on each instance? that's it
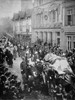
(51, 57)
(60, 64)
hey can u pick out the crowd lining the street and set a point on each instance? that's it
(33, 57)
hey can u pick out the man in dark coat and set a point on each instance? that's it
(9, 57)
(24, 72)
(1, 56)
(23, 66)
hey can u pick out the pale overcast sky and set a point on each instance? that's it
(9, 7)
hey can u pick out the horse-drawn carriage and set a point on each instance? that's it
(51, 76)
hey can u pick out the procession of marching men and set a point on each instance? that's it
(43, 67)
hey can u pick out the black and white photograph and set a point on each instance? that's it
(37, 49)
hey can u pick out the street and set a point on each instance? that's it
(37, 50)
(16, 69)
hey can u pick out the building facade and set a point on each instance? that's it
(53, 22)
(22, 26)
(69, 24)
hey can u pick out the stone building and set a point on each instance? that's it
(22, 26)
(53, 21)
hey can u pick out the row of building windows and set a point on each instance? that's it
(69, 41)
(58, 40)
(49, 37)
(23, 29)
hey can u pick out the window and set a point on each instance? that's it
(69, 38)
(53, 16)
(37, 34)
(69, 17)
(58, 41)
(69, 20)
(46, 36)
(73, 37)
(42, 36)
(74, 44)
(20, 27)
(27, 31)
(39, 20)
(50, 16)
(57, 15)
(69, 42)
(58, 33)
(69, 12)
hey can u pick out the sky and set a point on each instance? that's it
(9, 7)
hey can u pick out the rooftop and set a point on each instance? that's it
(22, 15)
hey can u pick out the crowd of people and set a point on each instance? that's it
(35, 69)
(10, 86)
(37, 76)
